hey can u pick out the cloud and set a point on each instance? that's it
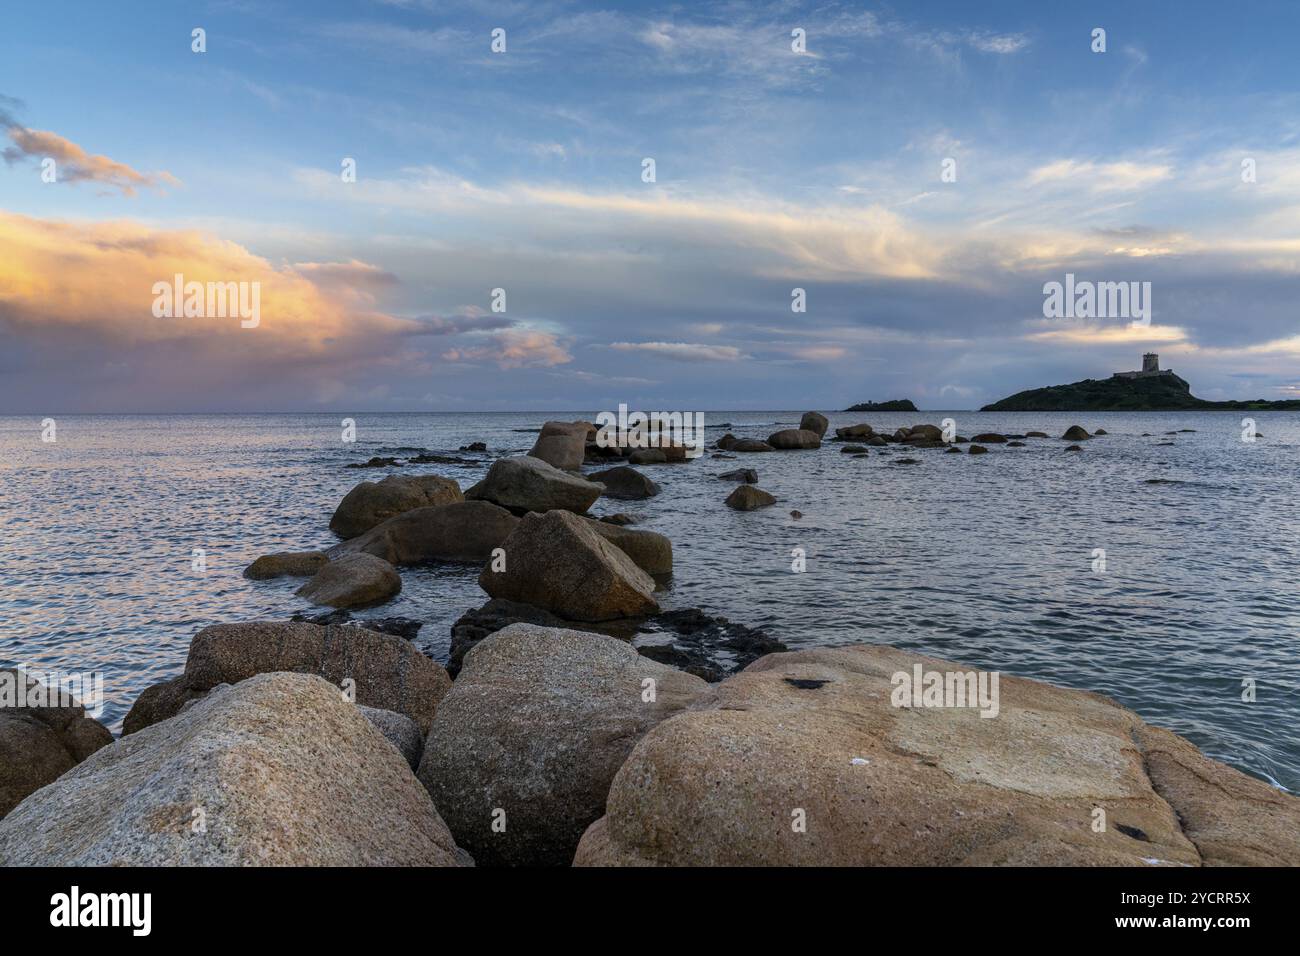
(1000, 43)
(94, 281)
(474, 320)
(515, 348)
(1120, 333)
(682, 351)
(73, 164)
(1102, 177)
(820, 353)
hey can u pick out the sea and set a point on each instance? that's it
(1159, 565)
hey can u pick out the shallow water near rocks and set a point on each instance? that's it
(987, 561)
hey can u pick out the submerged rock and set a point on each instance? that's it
(750, 445)
(537, 724)
(815, 737)
(747, 475)
(990, 438)
(1075, 433)
(279, 770)
(977, 450)
(708, 646)
(403, 627)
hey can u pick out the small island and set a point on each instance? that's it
(896, 405)
(1151, 389)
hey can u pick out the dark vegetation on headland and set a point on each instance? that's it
(1164, 392)
(897, 405)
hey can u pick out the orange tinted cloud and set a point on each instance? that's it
(99, 278)
(73, 164)
(515, 348)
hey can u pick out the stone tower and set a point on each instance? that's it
(1151, 363)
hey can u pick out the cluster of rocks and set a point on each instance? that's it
(296, 744)
(577, 722)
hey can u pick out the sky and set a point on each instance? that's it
(920, 170)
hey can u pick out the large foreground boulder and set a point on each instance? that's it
(39, 743)
(526, 484)
(534, 729)
(825, 757)
(792, 438)
(558, 562)
(353, 580)
(562, 444)
(385, 671)
(279, 770)
(625, 483)
(464, 531)
(814, 422)
(371, 502)
(1075, 433)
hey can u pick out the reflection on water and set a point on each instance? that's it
(986, 561)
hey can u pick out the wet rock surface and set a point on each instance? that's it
(690, 639)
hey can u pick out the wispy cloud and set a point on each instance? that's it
(73, 164)
(682, 351)
(1102, 177)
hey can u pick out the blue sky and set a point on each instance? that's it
(522, 170)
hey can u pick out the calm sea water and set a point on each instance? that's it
(986, 561)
